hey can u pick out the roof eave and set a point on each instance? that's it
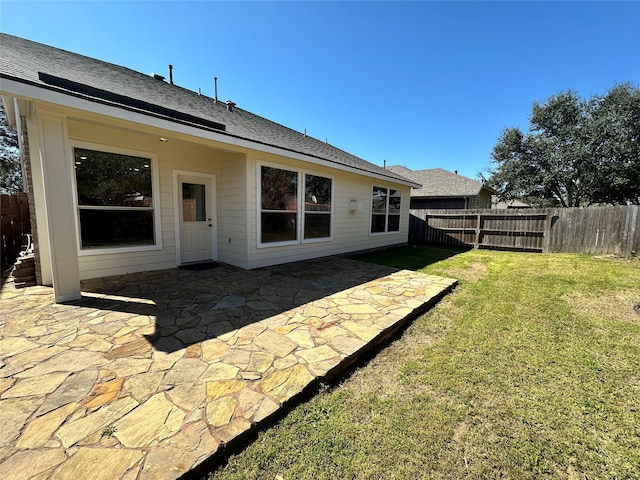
(8, 106)
(443, 196)
(491, 190)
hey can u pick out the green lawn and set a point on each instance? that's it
(530, 369)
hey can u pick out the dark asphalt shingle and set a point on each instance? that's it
(25, 61)
(437, 182)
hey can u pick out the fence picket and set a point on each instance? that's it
(14, 223)
(597, 230)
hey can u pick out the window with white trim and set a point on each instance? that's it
(279, 205)
(114, 199)
(385, 210)
(292, 210)
(317, 207)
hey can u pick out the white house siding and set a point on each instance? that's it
(482, 200)
(173, 155)
(234, 169)
(232, 212)
(350, 228)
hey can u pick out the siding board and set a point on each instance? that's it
(232, 214)
(350, 232)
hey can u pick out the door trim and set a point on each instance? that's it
(176, 210)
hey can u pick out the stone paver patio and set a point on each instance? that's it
(152, 374)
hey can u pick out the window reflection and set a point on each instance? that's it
(193, 202)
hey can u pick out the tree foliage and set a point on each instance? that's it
(576, 153)
(10, 169)
(112, 179)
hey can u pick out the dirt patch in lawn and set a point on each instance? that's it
(621, 305)
(469, 273)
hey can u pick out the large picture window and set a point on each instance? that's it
(294, 207)
(385, 210)
(115, 199)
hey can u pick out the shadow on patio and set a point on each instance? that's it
(190, 307)
(155, 375)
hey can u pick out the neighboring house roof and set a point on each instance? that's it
(72, 74)
(437, 182)
(499, 204)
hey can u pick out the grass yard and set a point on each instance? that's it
(530, 369)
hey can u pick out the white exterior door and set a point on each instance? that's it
(197, 222)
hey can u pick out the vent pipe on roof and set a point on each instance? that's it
(384, 164)
(215, 88)
(230, 105)
(455, 171)
(171, 74)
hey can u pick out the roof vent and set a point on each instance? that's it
(230, 105)
(158, 77)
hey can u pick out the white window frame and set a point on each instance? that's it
(155, 195)
(386, 214)
(330, 212)
(300, 240)
(259, 205)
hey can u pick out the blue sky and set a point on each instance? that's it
(420, 84)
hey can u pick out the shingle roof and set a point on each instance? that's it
(437, 182)
(48, 67)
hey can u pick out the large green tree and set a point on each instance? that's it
(10, 169)
(576, 153)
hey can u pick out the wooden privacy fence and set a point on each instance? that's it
(599, 230)
(14, 223)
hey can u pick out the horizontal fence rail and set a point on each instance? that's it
(598, 230)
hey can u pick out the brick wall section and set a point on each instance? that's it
(28, 186)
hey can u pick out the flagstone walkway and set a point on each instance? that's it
(151, 374)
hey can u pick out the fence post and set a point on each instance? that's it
(478, 225)
(631, 234)
(547, 231)
(426, 227)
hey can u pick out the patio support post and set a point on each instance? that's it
(56, 164)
